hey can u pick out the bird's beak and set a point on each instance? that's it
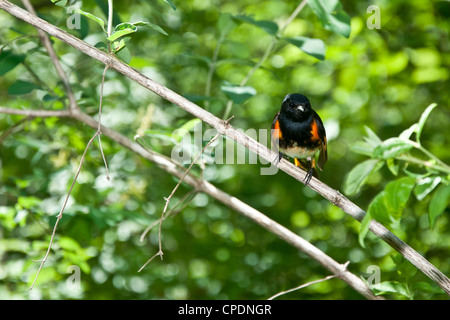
(300, 108)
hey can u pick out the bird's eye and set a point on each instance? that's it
(291, 104)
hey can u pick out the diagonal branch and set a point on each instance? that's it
(224, 128)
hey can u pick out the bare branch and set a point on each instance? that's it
(36, 113)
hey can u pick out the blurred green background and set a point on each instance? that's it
(380, 78)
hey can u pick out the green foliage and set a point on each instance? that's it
(388, 205)
(268, 26)
(121, 33)
(237, 93)
(368, 85)
(9, 61)
(313, 47)
(332, 16)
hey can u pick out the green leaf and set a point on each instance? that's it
(372, 139)
(364, 228)
(427, 287)
(185, 128)
(124, 55)
(9, 61)
(118, 45)
(237, 93)
(425, 186)
(438, 203)
(313, 47)
(48, 98)
(121, 30)
(92, 17)
(102, 46)
(151, 26)
(391, 287)
(406, 134)
(362, 147)
(332, 16)
(69, 244)
(28, 202)
(357, 175)
(21, 87)
(388, 205)
(171, 4)
(225, 23)
(391, 148)
(83, 31)
(163, 136)
(61, 3)
(268, 26)
(396, 195)
(392, 166)
(378, 209)
(423, 119)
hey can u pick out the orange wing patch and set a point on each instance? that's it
(314, 131)
(276, 134)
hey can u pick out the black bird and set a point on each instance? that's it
(298, 132)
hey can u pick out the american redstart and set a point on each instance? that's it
(298, 132)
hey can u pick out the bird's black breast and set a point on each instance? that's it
(297, 132)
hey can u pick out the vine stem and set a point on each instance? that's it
(110, 17)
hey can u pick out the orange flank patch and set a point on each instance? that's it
(276, 131)
(314, 131)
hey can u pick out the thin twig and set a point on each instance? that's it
(59, 216)
(306, 284)
(97, 133)
(160, 252)
(11, 129)
(301, 287)
(99, 128)
(170, 212)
